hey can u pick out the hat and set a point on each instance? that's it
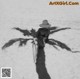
(45, 24)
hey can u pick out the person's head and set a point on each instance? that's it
(45, 24)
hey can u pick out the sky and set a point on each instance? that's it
(28, 14)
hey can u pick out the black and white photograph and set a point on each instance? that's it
(40, 39)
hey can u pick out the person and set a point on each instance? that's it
(43, 33)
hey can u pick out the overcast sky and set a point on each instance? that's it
(29, 14)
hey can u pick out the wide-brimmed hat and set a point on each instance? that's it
(45, 24)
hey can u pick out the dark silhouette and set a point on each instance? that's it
(42, 37)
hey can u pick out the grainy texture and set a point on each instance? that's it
(41, 66)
